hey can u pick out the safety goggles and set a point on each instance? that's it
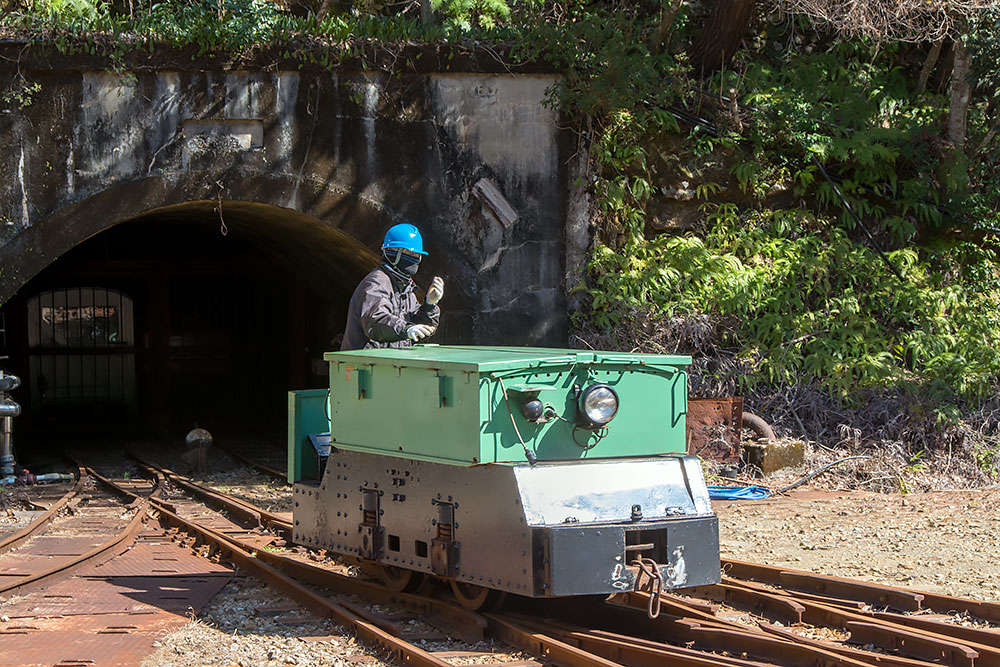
(401, 257)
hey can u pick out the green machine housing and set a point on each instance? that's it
(381, 398)
(428, 443)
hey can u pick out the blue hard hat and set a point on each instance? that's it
(405, 236)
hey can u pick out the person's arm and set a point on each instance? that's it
(428, 313)
(378, 319)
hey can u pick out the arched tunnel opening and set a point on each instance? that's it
(184, 316)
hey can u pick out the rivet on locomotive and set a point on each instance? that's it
(539, 472)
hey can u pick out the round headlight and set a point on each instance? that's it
(598, 404)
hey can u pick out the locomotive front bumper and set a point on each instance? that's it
(601, 558)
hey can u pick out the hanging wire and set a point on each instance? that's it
(528, 454)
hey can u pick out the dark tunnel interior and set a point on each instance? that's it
(178, 318)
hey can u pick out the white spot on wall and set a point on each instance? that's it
(25, 216)
(70, 170)
(370, 111)
(165, 131)
(677, 574)
(286, 97)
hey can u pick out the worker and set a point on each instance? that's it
(384, 311)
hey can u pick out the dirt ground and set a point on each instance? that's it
(943, 542)
(236, 629)
(248, 623)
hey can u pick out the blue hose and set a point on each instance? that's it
(738, 492)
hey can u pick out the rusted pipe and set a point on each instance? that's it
(760, 427)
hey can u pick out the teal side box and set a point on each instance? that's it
(446, 403)
(306, 414)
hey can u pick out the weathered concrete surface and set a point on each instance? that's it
(350, 153)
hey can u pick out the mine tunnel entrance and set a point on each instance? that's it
(181, 317)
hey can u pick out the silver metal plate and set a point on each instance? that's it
(599, 491)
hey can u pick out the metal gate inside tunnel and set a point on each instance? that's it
(181, 318)
(81, 344)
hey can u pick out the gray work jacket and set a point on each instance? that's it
(381, 308)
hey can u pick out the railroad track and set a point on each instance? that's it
(54, 546)
(776, 598)
(757, 615)
(94, 579)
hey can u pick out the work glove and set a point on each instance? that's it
(417, 331)
(436, 290)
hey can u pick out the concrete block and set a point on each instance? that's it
(772, 456)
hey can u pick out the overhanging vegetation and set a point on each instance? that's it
(706, 124)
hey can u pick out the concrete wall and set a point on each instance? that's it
(354, 151)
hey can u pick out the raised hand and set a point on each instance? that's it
(436, 290)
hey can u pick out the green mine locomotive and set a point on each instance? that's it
(539, 472)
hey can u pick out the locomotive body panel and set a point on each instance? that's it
(545, 530)
(447, 403)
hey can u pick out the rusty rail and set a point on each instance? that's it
(366, 631)
(627, 649)
(708, 632)
(880, 659)
(232, 504)
(916, 641)
(12, 541)
(103, 552)
(470, 624)
(960, 632)
(543, 646)
(809, 582)
(782, 606)
(274, 567)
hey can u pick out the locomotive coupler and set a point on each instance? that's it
(649, 580)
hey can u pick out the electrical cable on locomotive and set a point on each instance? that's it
(528, 454)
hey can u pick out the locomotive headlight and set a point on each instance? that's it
(598, 404)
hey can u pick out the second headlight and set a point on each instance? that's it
(598, 405)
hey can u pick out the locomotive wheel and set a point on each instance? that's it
(475, 597)
(399, 579)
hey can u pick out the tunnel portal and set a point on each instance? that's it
(182, 318)
(178, 242)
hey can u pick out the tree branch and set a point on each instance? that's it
(960, 95)
(925, 72)
(665, 27)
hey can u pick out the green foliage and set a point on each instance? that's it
(20, 94)
(465, 14)
(799, 298)
(988, 460)
(235, 27)
(69, 10)
(856, 112)
(805, 303)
